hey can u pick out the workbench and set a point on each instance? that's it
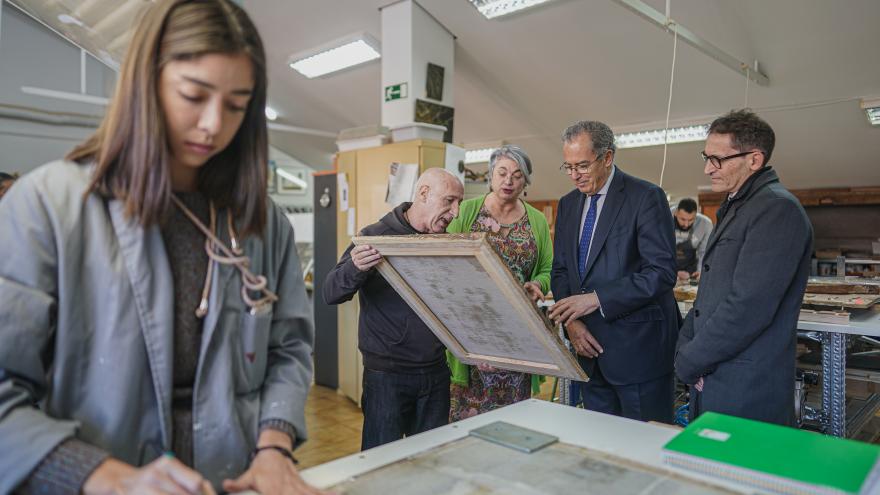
(628, 439)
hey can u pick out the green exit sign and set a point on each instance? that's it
(395, 92)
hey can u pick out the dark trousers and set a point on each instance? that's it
(646, 401)
(400, 404)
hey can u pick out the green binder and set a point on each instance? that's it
(776, 458)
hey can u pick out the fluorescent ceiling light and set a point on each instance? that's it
(480, 155)
(337, 55)
(271, 114)
(872, 109)
(292, 178)
(656, 136)
(497, 8)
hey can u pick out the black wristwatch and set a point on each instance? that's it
(282, 450)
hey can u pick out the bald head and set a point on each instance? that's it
(437, 195)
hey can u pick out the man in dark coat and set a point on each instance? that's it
(613, 273)
(406, 379)
(737, 344)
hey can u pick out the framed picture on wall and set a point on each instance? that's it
(434, 113)
(434, 82)
(290, 181)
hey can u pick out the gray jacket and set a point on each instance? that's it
(741, 333)
(86, 334)
(700, 231)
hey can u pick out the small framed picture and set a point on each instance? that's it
(290, 181)
(434, 82)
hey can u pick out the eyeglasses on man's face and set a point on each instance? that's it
(581, 167)
(717, 161)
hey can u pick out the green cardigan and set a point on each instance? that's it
(467, 215)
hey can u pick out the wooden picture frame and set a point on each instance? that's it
(459, 286)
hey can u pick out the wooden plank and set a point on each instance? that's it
(837, 286)
(842, 300)
(818, 316)
(459, 286)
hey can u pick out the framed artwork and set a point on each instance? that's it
(459, 286)
(434, 82)
(289, 181)
(434, 113)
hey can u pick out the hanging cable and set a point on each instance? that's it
(669, 102)
(747, 88)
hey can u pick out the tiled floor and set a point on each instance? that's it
(335, 424)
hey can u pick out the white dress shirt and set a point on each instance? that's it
(599, 204)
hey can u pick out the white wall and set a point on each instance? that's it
(32, 55)
(299, 200)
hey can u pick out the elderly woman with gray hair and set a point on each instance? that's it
(521, 236)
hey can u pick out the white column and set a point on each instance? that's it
(411, 38)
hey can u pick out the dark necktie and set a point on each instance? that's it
(589, 223)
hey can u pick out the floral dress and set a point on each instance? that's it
(516, 245)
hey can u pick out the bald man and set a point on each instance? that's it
(406, 379)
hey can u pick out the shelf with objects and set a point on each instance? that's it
(847, 235)
(834, 325)
(833, 267)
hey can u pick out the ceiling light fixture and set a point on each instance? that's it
(872, 109)
(271, 114)
(655, 137)
(497, 8)
(344, 53)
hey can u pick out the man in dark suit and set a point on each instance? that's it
(612, 278)
(737, 345)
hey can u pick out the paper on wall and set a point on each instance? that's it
(402, 179)
(342, 185)
(351, 222)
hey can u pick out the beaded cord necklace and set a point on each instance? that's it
(232, 255)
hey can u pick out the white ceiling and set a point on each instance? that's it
(525, 78)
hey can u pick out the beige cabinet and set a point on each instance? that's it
(366, 172)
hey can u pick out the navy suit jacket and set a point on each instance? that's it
(631, 266)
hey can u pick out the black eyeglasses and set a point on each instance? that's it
(717, 161)
(581, 167)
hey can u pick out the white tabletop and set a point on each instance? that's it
(635, 440)
(866, 322)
